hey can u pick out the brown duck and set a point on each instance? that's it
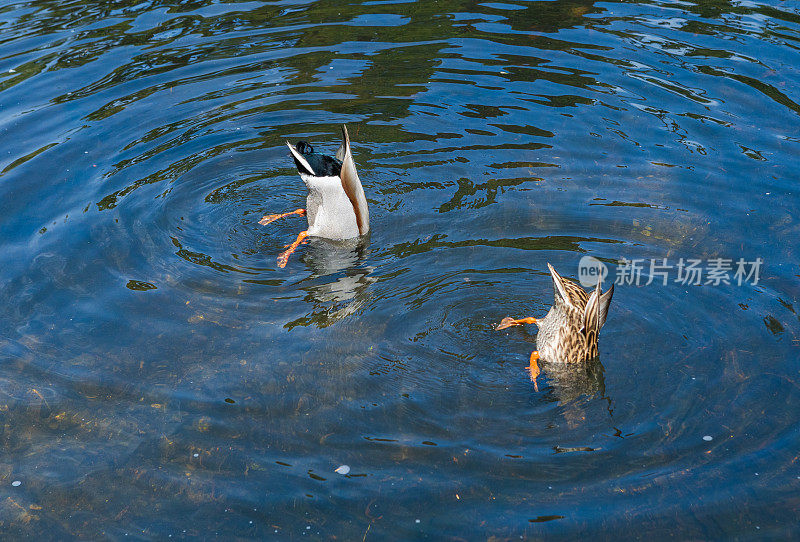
(568, 334)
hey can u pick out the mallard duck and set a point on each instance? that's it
(568, 334)
(336, 207)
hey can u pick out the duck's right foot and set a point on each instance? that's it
(283, 258)
(533, 369)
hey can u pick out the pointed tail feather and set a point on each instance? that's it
(352, 185)
(605, 302)
(558, 285)
(591, 313)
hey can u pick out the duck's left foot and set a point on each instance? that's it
(283, 258)
(533, 369)
(269, 219)
(508, 322)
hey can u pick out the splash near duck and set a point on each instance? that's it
(336, 207)
(568, 333)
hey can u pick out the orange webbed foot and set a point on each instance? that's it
(283, 258)
(269, 219)
(303, 242)
(508, 322)
(533, 369)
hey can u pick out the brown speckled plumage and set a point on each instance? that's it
(568, 334)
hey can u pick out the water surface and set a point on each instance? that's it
(161, 377)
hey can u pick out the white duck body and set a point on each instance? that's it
(328, 209)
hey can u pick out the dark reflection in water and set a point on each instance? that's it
(161, 377)
(569, 383)
(337, 286)
(570, 386)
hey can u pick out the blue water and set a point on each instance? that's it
(161, 377)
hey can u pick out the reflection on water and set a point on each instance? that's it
(161, 377)
(569, 383)
(337, 286)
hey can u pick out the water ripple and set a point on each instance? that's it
(161, 376)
